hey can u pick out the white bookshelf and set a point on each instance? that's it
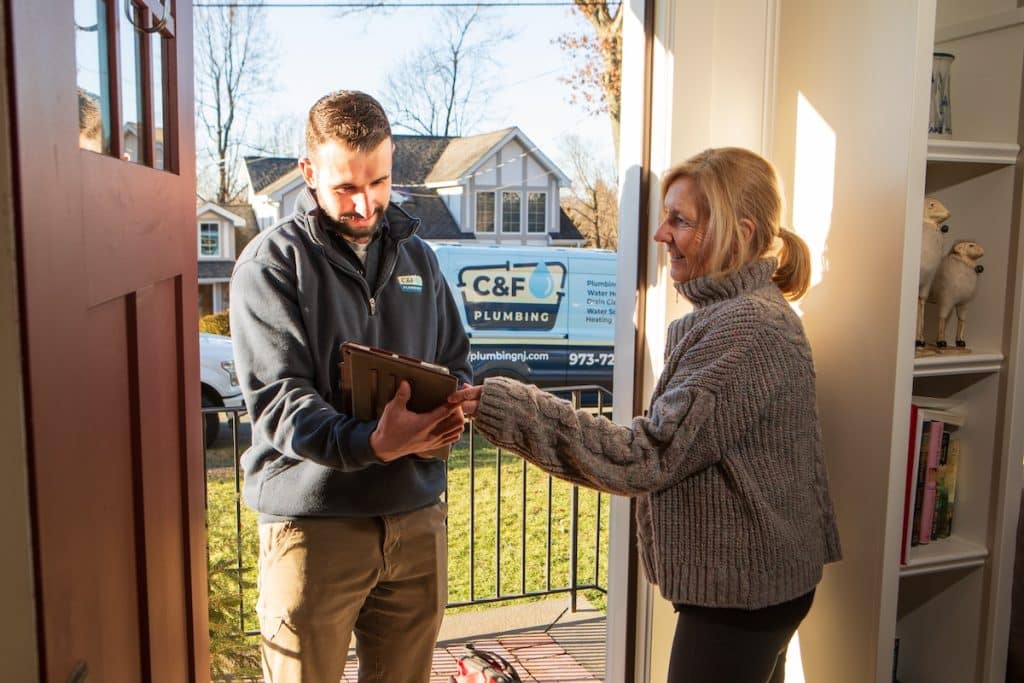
(947, 554)
(961, 584)
(958, 364)
(966, 151)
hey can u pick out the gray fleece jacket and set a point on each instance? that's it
(295, 297)
(734, 508)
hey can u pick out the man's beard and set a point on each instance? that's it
(345, 230)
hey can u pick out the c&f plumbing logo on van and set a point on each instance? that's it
(513, 296)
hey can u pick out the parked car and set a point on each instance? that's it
(218, 380)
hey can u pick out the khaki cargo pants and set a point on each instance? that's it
(383, 578)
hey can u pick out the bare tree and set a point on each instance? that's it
(593, 203)
(596, 82)
(233, 59)
(284, 136)
(440, 88)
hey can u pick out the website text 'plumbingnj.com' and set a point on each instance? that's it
(513, 356)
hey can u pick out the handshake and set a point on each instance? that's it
(401, 431)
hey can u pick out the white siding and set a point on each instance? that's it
(227, 235)
(287, 205)
(266, 213)
(452, 197)
(512, 164)
(536, 176)
(486, 174)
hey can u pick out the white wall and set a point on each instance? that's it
(851, 92)
(287, 207)
(712, 63)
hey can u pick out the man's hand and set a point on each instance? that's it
(402, 432)
(467, 398)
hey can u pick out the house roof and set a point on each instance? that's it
(567, 230)
(436, 220)
(415, 156)
(265, 170)
(418, 160)
(215, 270)
(461, 154)
(225, 213)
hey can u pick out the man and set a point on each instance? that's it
(352, 531)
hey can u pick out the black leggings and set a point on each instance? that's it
(715, 645)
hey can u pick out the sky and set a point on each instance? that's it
(320, 50)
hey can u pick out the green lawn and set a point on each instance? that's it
(228, 601)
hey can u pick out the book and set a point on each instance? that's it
(909, 492)
(370, 378)
(935, 430)
(922, 410)
(919, 478)
(946, 489)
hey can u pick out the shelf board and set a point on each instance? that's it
(958, 364)
(966, 151)
(944, 555)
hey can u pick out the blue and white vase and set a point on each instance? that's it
(940, 120)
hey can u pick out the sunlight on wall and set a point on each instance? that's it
(794, 662)
(813, 184)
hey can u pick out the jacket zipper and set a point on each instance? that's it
(384, 280)
(371, 298)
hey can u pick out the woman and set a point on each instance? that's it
(735, 519)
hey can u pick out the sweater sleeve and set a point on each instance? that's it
(687, 430)
(276, 370)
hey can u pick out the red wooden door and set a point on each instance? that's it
(107, 251)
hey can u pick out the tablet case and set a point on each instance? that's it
(370, 378)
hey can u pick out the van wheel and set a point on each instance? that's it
(211, 422)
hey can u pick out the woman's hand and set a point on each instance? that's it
(468, 397)
(402, 432)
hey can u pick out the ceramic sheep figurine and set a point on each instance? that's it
(954, 285)
(932, 229)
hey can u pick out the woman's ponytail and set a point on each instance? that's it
(793, 276)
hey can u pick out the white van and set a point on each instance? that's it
(543, 315)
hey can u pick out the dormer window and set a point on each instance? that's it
(209, 239)
(485, 212)
(536, 212)
(511, 204)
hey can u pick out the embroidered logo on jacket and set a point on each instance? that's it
(412, 284)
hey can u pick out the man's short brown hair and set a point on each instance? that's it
(348, 116)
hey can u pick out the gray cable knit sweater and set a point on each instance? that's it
(733, 500)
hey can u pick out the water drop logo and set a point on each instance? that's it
(512, 296)
(541, 282)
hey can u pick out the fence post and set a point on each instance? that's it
(573, 543)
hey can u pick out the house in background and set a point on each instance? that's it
(222, 234)
(493, 188)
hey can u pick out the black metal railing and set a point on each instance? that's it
(475, 464)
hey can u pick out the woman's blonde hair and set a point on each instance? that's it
(734, 184)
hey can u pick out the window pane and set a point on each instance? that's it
(485, 212)
(131, 87)
(510, 209)
(93, 75)
(209, 239)
(159, 121)
(536, 212)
